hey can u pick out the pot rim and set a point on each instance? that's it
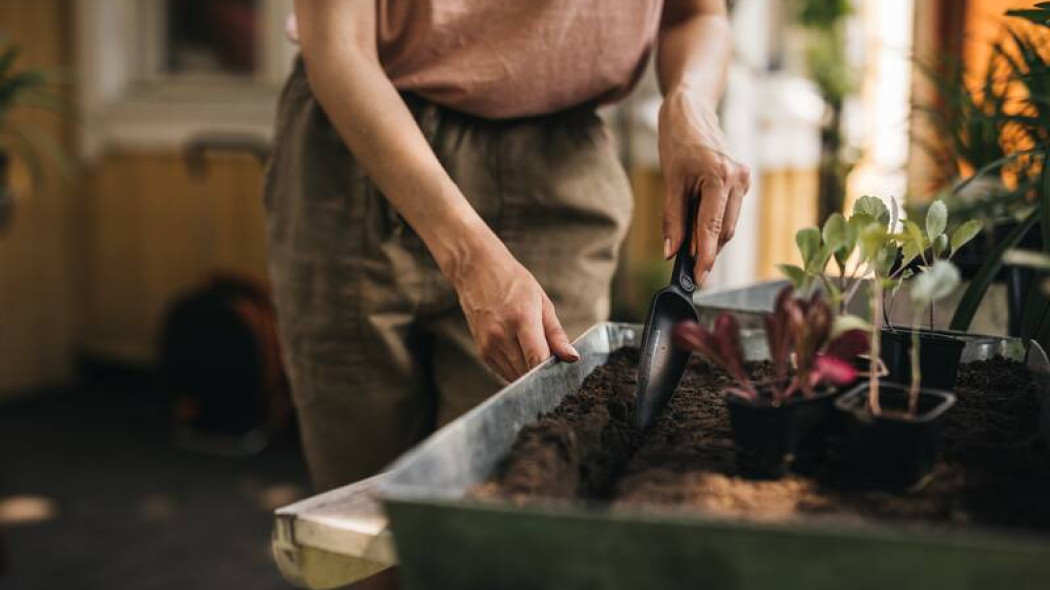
(821, 393)
(847, 404)
(935, 335)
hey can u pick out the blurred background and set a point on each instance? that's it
(145, 431)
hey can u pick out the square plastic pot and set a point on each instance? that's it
(892, 450)
(939, 356)
(768, 437)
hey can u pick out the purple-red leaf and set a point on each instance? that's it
(694, 336)
(779, 335)
(848, 345)
(833, 370)
(727, 337)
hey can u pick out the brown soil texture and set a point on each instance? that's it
(576, 450)
(993, 470)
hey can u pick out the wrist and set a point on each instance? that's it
(685, 91)
(461, 247)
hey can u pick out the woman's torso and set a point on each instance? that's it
(515, 58)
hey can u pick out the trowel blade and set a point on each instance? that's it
(662, 364)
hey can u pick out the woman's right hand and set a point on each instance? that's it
(512, 320)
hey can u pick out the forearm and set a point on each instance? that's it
(692, 60)
(694, 47)
(374, 122)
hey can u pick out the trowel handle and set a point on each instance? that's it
(684, 262)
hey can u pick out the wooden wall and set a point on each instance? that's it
(154, 231)
(90, 265)
(787, 203)
(38, 278)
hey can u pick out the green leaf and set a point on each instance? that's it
(940, 245)
(909, 252)
(973, 295)
(861, 220)
(796, 275)
(808, 241)
(913, 233)
(846, 322)
(833, 291)
(938, 281)
(872, 207)
(1039, 16)
(871, 240)
(836, 232)
(963, 234)
(936, 220)
(885, 258)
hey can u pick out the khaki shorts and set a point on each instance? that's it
(377, 348)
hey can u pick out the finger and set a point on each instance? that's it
(499, 363)
(515, 357)
(695, 235)
(674, 212)
(533, 343)
(500, 367)
(732, 216)
(556, 336)
(709, 222)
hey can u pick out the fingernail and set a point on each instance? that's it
(667, 248)
(574, 355)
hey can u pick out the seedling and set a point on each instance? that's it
(837, 241)
(895, 257)
(891, 256)
(803, 328)
(925, 247)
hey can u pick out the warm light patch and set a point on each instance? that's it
(156, 508)
(26, 509)
(275, 496)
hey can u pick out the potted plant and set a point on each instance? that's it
(1012, 110)
(893, 430)
(922, 250)
(894, 257)
(837, 242)
(771, 418)
(24, 88)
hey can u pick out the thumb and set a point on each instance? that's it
(674, 212)
(556, 337)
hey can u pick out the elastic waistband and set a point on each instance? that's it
(581, 114)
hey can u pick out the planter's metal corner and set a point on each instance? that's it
(333, 539)
(1039, 365)
(286, 554)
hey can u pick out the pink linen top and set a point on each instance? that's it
(515, 58)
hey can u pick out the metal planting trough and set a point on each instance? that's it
(444, 540)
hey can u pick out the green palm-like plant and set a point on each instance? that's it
(26, 88)
(1025, 119)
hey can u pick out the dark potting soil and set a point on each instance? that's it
(993, 471)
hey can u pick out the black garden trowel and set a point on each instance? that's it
(662, 363)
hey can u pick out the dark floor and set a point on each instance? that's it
(130, 511)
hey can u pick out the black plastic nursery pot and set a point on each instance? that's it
(892, 450)
(972, 256)
(768, 437)
(939, 356)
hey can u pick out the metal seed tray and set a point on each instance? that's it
(446, 541)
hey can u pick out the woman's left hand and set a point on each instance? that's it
(695, 160)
